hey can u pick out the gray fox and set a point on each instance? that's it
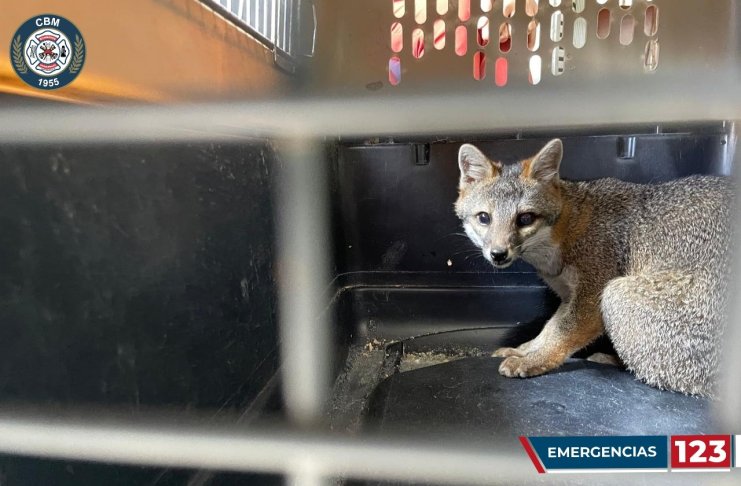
(647, 264)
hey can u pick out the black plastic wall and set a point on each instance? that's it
(136, 275)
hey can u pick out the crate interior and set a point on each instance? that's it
(145, 276)
(425, 310)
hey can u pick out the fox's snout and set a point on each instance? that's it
(500, 257)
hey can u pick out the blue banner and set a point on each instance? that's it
(580, 453)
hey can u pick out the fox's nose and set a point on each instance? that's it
(499, 255)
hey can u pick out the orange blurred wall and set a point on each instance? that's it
(149, 50)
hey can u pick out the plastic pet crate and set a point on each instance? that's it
(276, 288)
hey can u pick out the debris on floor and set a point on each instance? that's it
(414, 361)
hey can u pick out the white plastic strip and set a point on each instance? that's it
(303, 229)
(194, 444)
(346, 116)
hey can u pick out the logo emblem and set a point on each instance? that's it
(47, 51)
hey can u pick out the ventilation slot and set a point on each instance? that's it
(625, 4)
(500, 72)
(420, 11)
(464, 10)
(482, 31)
(651, 56)
(627, 26)
(603, 23)
(461, 40)
(398, 8)
(397, 37)
(442, 7)
(577, 6)
(534, 70)
(651, 23)
(556, 26)
(505, 37)
(601, 2)
(558, 61)
(531, 8)
(438, 32)
(394, 71)
(486, 5)
(555, 3)
(479, 66)
(508, 8)
(580, 32)
(533, 35)
(418, 43)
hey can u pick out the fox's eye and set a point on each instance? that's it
(484, 218)
(525, 219)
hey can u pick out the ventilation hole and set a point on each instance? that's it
(601, 2)
(398, 8)
(603, 23)
(442, 7)
(482, 31)
(651, 23)
(420, 11)
(625, 4)
(508, 8)
(505, 37)
(464, 10)
(534, 70)
(558, 61)
(486, 5)
(479, 66)
(577, 6)
(461, 40)
(418, 43)
(531, 8)
(627, 26)
(500, 72)
(438, 32)
(533, 35)
(555, 3)
(394, 71)
(651, 56)
(397, 37)
(580, 32)
(556, 26)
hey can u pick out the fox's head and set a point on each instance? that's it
(507, 210)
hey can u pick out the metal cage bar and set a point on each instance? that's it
(271, 20)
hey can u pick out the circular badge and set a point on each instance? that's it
(47, 51)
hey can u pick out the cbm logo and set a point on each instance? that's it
(47, 51)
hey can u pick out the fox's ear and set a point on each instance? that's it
(475, 166)
(544, 166)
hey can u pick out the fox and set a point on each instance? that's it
(646, 264)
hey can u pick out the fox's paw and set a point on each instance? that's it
(507, 352)
(523, 367)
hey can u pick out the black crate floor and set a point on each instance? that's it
(580, 398)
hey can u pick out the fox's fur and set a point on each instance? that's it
(645, 263)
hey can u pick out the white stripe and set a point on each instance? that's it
(699, 469)
(599, 471)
